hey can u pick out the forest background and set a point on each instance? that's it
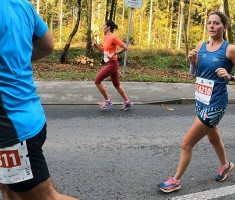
(162, 34)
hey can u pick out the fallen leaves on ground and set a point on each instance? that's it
(131, 69)
(170, 109)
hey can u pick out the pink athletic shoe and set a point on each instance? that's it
(126, 106)
(169, 186)
(106, 105)
(223, 173)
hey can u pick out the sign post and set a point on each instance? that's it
(132, 4)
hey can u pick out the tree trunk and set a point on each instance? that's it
(107, 10)
(73, 14)
(184, 32)
(89, 49)
(98, 35)
(61, 20)
(181, 23)
(112, 10)
(189, 17)
(115, 11)
(123, 13)
(46, 13)
(52, 16)
(230, 31)
(171, 24)
(38, 5)
(204, 31)
(150, 23)
(155, 33)
(178, 24)
(63, 57)
(140, 29)
(167, 23)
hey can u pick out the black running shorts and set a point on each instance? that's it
(37, 161)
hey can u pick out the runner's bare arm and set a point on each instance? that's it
(123, 48)
(193, 55)
(98, 47)
(193, 59)
(230, 53)
(221, 72)
(42, 47)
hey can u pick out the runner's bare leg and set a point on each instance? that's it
(122, 92)
(102, 90)
(44, 190)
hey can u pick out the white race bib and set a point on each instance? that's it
(106, 59)
(14, 165)
(204, 88)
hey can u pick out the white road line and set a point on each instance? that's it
(209, 194)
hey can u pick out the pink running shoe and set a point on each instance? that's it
(223, 173)
(169, 186)
(126, 106)
(106, 105)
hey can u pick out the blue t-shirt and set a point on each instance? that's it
(21, 113)
(208, 62)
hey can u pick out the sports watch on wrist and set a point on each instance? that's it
(115, 53)
(232, 78)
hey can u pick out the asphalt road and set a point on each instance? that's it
(112, 155)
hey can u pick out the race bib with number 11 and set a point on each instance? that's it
(14, 164)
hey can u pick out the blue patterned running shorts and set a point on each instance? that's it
(209, 116)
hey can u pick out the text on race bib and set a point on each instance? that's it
(204, 89)
(9, 159)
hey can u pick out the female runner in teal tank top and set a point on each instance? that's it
(212, 63)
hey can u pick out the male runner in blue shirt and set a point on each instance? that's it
(24, 37)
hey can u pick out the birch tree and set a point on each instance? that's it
(205, 23)
(189, 17)
(230, 32)
(123, 13)
(89, 49)
(38, 6)
(61, 20)
(181, 23)
(98, 35)
(171, 23)
(140, 29)
(184, 32)
(150, 22)
(177, 28)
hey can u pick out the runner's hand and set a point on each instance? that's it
(110, 55)
(192, 56)
(94, 44)
(221, 72)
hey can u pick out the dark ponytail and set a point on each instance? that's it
(224, 20)
(111, 24)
